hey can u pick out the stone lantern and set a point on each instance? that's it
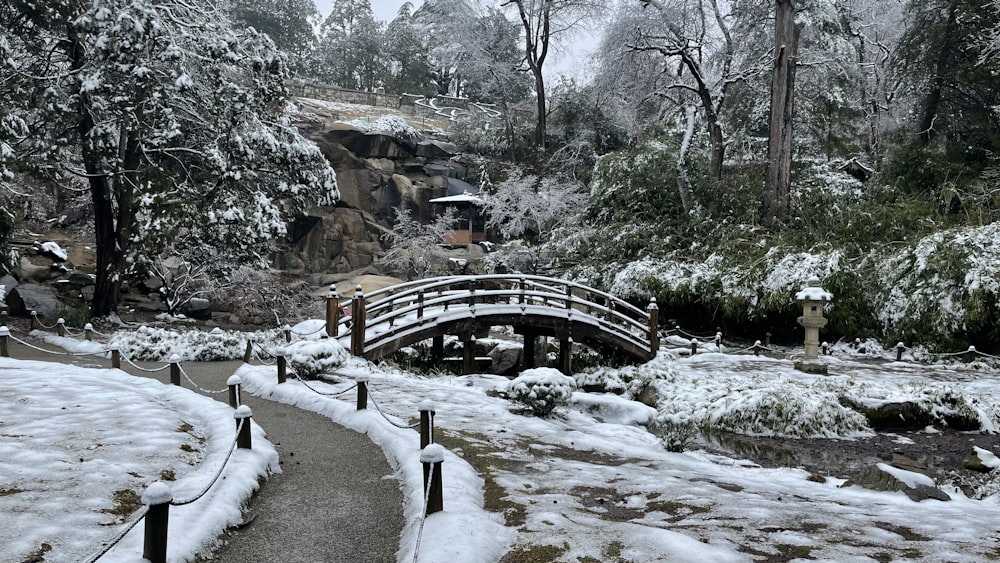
(812, 297)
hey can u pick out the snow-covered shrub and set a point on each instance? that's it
(786, 411)
(307, 359)
(158, 345)
(675, 431)
(608, 381)
(541, 390)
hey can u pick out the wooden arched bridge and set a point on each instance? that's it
(388, 319)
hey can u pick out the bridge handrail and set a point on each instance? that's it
(539, 302)
(414, 288)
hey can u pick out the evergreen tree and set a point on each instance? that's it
(350, 47)
(409, 68)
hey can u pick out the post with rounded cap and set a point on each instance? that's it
(234, 383)
(34, 320)
(61, 326)
(899, 351)
(243, 414)
(175, 369)
(3, 311)
(812, 297)
(718, 341)
(116, 357)
(362, 392)
(426, 423)
(332, 312)
(694, 346)
(358, 318)
(4, 338)
(654, 326)
(279, 356)
(88, 331)
(971, 354)
(756, 348)
(288, 333)
(432, 457)
(157, 498)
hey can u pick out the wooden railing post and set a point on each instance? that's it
(426, 423)
(566, 356)
(332, 312)
(157, 497)
(362, 392)
(654, 327)
(420, 305)
(4, 338)
(243, 415)
(175, 369)
(358, 318)
(432, 457)
(234, 383)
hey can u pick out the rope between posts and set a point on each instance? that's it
(140, 368)
(318, 392)
(43, 325)
(689, 335)
(259, 358)
(71, 332)
(296, 333)
(379, 410)
(129, 524)
(198, 387)
(423, 517)
(218, 473)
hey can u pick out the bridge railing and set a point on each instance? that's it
(395, 311)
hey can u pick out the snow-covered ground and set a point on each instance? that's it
(588, 484)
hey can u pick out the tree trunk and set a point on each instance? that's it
(541, 108)
(778, 184)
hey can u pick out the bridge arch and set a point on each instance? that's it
(391, 318)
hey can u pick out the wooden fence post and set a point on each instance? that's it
(34, 320)
(243, 415)
(248, 353)
(756, 348)
(362, 392)
(654, 327)
(358, 318)
(61, 326)
(88, 331)
(332, 312)
(899, 351)
(116, 358)
(566, 356)
(157, 497)
(4, 338)
(432, 457)
(694, 346)
(288, 333)
(426, 423)
(282, 365)
(234, 383)
(175, 369)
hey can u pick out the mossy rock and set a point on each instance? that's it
(905, 415)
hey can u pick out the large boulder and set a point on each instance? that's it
(899, 473)
(370, 144)
(24, 299)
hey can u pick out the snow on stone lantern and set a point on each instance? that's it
(812, 297)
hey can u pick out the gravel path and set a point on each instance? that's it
(335, 500)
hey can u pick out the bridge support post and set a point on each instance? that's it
(437, 347)
(468, 354)
(654, 327)
(566, 356)
(332, 312)
(358, 318)
(528, 352)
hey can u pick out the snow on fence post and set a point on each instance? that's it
(34, 320)
(426, 423)
(654, 326)
(282, 362)
(234, 383)
(175, 369)
(4, 338)
(287, 329)
(3, 314)
(248, 353)
(899, 351)
(243, 416)
(358, 318)
(88, 331)
(756, 348)
(970, 354)
(694, 346)
(157, 497)
(718, 340)
(61, 326)
(826, 348)
(116, 357)
(332, 312)
(432, 457)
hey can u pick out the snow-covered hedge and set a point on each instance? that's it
(541, 390)
(158, 344)
(308, 359)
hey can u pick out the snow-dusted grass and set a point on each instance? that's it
(76, 439)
